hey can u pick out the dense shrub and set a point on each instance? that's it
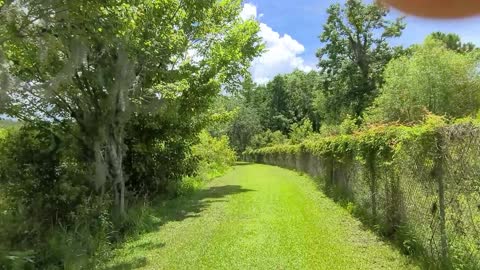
(215, 154)
(215, 157)
(268, 138)
(434, 79)
(159, 154)
(244, 127)
(301, 131)
(51, 215)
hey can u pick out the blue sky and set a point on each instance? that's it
(291, 30)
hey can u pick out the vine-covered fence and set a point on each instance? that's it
(418, 185)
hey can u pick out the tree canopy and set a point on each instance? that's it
(354, 55)
(98, 64)
(453, 42)
(434, 79)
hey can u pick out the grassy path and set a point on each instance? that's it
(257, 217)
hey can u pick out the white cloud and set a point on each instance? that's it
(249, 11)
(282, 53)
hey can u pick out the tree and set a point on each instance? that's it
(453, 42)
(268, 138)
(289, 99)
(244, 127)
(301, 131)
(434, 79)
(238, 115)
(303, 88)
(284, 103)
(280, 114)
(91, 66)
(354, 55)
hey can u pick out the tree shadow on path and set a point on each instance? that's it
(178, 209)
(191, 206)
(243, 163)
(132, 264)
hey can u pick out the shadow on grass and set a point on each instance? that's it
(149, 246)
(188, 207)
(242, 163)
(178, 209)
(133, 264)
(345, 199)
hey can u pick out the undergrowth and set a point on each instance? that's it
(51, 219)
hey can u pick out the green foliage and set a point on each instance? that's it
(244, 128)
(329, 130)
(303, 88)
(145, 59)
(214, 154)
(268, 138)
(354, 56)
(118, 91)
(301, 131)
(284, 101)
(434, 79)
(223, 112)
(453, 42)
(348, 125)
(46, 183)
(261, 110)
(158, 157)
(42, 187)
(215, 157)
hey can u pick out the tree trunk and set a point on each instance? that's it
(110, 118)
(118, 117)
(115, 163)
(108, 160)
(439, 174)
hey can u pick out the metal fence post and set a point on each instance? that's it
(438, 175)
(372, 175)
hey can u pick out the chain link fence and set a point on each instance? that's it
(425, 197)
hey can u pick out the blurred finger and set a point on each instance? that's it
(436, 8)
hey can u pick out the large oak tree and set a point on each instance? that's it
(91, 65)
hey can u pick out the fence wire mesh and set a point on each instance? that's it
(426, 197)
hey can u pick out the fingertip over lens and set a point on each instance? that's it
(446, 9)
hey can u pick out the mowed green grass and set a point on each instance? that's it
(257, 217)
